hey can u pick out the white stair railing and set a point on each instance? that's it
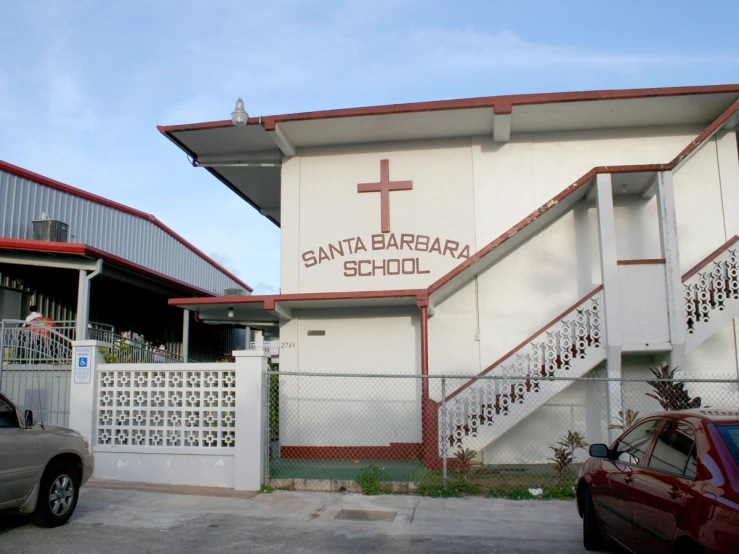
(712, 294)
(482, 410)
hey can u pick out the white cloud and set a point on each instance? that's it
(265, 288)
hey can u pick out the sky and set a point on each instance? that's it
(84, 83)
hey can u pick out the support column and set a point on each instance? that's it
(86, 358)
(252, 409)
(429, 408)
(673, 277)
(83, 306)
(186, 336)
(611, 303)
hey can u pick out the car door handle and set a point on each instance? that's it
(675, 492)
(629, 478)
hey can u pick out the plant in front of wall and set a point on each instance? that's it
(564, 455)
(625, 421)
(671, 394)
(370, 480)
(464, 458)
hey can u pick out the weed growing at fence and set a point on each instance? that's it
(431, 483)
(564, 454)
(369, 480)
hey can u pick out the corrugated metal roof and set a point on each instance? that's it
(114, 228)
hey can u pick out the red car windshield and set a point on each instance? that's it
(730, 434)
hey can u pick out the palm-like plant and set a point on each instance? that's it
(671, 394)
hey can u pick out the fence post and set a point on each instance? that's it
(2, 351)
(444, 426)
(251, 416)
(86, 357)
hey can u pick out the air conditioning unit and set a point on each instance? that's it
(50, 230)
(234, 292)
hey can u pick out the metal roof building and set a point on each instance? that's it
(48, 228)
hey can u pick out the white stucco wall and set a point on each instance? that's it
(440, 205)
(350, 411)
(470, 191)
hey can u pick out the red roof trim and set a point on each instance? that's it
(303, 297)
(500, 105)
(79, 249)
(46, 181)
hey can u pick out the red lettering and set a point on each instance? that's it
(396, 270)
(309, 258)
(406, 239)
(348, 245)
(322, 255)
(361, 262)
(435, 246)
(412, 270)
(422, 243)
(378, 242)
(465, 253)
(350, 268)
(448, 247)
(359, 245)
(376, 267)
(418, 268)
(392, 242)
(339, 250)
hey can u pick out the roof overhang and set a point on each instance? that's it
(248, 159)
(259, 310)
(66, 255)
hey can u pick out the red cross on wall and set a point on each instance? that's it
(384, 187)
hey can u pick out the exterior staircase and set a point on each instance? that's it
(483, 409)
(712, 293)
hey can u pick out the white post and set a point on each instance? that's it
(611, 307)
(83, 306)
(251, 419)
(185, 335)
(82, 412)
(671, 253)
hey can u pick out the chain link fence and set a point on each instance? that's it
(489, 435)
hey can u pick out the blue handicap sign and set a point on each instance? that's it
(82, 362)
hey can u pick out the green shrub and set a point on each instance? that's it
(369, 480)
(431, 483)
(558, 492)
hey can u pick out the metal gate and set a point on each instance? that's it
(35, 368)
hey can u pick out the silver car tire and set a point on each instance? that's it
(58, 495)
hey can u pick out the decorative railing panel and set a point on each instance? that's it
(565, 348)
(708, 290)
(129, 351)
(167, 408)
(35, 369)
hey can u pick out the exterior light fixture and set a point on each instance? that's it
(230, 312)
(239, 115)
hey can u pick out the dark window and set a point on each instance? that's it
(730, 434)
(674, 451)
(8, 415)
(634, 445)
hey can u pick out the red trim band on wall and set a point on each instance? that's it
(395, 451)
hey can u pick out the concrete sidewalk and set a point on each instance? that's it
(123, 520)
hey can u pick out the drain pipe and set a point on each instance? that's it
(83, 300)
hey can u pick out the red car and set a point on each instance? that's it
(670, 483)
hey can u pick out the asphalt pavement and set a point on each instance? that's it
(126, 520)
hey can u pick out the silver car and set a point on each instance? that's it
(41, 467)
